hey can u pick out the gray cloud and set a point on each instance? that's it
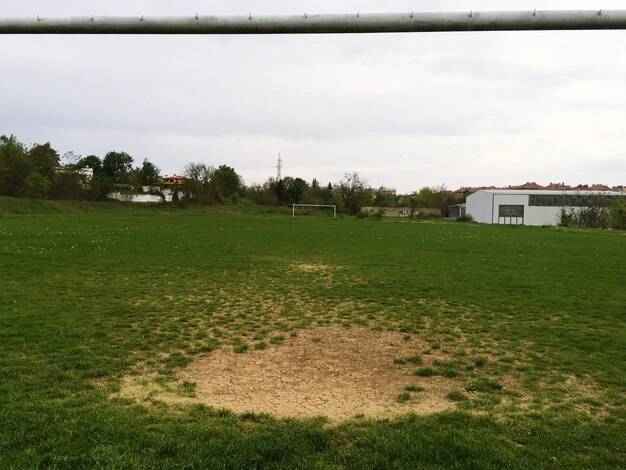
(405, 110)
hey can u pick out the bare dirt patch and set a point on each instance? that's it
(326, 371)
(313, 267)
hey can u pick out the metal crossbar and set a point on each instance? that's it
(410, 22)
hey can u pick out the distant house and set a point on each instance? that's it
(388, 191)
(85, 173)
(528, 206)
(558, 187)
(173, 180)
(528, 185)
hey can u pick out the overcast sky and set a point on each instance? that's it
(402, 110)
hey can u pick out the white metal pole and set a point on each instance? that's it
(317, 24)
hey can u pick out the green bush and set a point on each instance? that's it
(378, 215)
(35, 186)
(617, 215)
(595, 216)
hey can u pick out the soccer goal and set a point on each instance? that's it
(293, 208)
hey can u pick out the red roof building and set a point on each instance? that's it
(558, 187)
(527, 185)
(173, 180)
(537, 187)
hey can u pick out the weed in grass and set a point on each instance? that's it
(483, 384)
(447, 369)
(209, 345)
(449, 372)
(240, 348)
(403, 397)
(277, 339)
(557, 378)
(201, 334)
(485, 401)
(260, 345)
(480, 361)
(456, 395)
(425, 372)
(408, 360)
(164, 381)
(177, 360)
(187, 388)
(414, 388)
(414, 359)
(250, 417)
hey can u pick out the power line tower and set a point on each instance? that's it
(279, 166)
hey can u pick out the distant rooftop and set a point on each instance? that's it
(537, 187)
(553, 191)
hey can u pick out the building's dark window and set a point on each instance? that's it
(510, 211)
(570, 200)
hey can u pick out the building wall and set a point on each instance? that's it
(510, 200)
(479, 207)
(543, 215)
(485, 208)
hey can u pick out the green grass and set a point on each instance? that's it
(91, 293)
(483, 385)
(403, 397)
(425, 372)
(456, 395)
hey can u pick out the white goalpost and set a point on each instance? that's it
(293, 208)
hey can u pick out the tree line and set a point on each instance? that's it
(39, 171)
(350, 195)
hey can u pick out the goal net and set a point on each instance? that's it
(322, 206)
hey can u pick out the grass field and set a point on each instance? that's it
(525, 326)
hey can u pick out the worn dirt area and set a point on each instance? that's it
(313, 267)
(335, 372)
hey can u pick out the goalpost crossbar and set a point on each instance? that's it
(407, 22)
(329, 206)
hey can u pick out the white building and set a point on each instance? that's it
(529, 207)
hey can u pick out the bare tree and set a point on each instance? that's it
(200, 172)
